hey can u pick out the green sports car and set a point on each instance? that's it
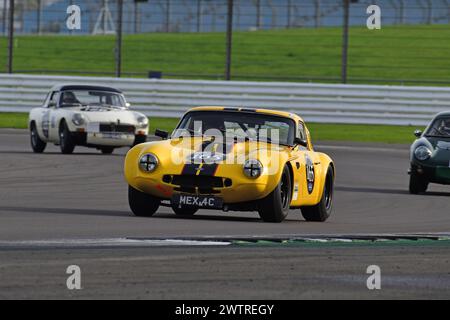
(430, 155)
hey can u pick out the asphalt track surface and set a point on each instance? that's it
(48, 197)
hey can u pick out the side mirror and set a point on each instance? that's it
(301, 142)
(418, 133)
(128, 105)
(51, 105)
(162, 134)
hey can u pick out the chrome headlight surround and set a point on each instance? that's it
(253, 168)
(142, 122)
(422, 153)
(78, 119)
(148, 162)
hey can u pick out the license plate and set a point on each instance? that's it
(93, 127)
(184, 200)
(112, 135)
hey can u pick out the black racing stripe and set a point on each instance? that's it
(205, 145)
(190, 169)
(209, 169)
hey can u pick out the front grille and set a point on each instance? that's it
(200, 182)
(111, 127)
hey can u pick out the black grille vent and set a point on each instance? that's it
(194, 181)
(116, 128)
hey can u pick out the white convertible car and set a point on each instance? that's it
(91, 116)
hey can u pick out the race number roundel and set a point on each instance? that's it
(310, 174)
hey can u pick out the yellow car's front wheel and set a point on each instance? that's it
(184, 212)
(142, 204)
(275, 207)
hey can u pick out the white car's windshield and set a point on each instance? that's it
(440, 128)
(90, 98)
(239, 125)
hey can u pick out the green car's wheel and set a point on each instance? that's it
(275, 207)
(417, 184)
(321, 211)
(37, 144)
(142, 204)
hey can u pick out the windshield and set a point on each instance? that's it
(89, 98)
(238, 125)
(440, 128)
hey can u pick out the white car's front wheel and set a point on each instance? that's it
(66, 142)
(107, 150)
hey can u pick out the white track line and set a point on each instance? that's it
(118, 242)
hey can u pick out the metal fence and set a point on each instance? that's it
(273, 40)
(322, 103)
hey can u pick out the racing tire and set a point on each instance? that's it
(185, 212)
(322, 211)
(107, 150)
(37, 144)
(275, 207)
(142, 204)
(66, 141)
(417, 184)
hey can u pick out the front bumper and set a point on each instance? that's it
(100, 139)
(236, 193)
(438, 174)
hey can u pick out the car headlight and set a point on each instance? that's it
(422, 153)
(253, 168)
(142, 122)
(148, 162)
(78, 119)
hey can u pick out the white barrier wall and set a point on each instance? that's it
(333, 103)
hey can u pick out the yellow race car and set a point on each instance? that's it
(232, 159)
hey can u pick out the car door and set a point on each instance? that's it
(43, 118)
(53, 116)
(306, 164)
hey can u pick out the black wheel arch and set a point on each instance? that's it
(291, 173)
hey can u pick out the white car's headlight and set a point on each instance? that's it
(142, 122)
(422, 153)
(78, 119)
(253, 168)
(148, 162)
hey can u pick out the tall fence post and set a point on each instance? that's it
(11, 36)
(289, 14)
(229, 40)
(136, 17)
(258, 14)
(317, 13)
(5, 16)
(119, 38)
(199, 15)
(167, 22)
(345, 41)
(38, 16)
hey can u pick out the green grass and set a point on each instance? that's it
(13, 120)
(414, 52)
(319, 131)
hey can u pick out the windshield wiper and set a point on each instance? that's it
(436, 136)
